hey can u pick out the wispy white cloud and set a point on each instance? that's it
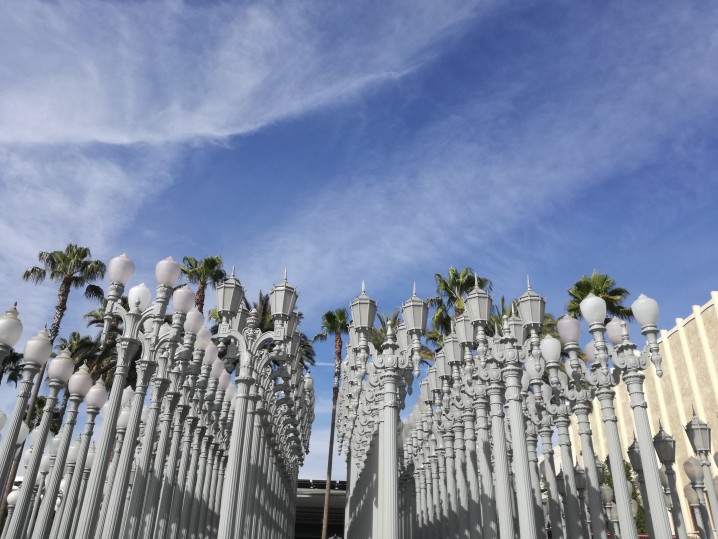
(164, 71)
(503, 162)
(96, 100)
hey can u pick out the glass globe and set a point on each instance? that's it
(120, 269)
(211, 354)
(194, 321)
(124, 418)
(167, 272)
(217, 369)
(10, 327)
(139, 296)
(61, 367)
(81, 382)
(97, 395)
(72, 452)
(183, 299)
(204, 337)
(224, 380)
(38, 349)
(593, 309)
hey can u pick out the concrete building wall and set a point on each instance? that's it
(690, 381)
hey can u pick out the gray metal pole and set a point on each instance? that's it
(236, 447)
(659, 515)
(67, 516)
(126, 348)
(22, 506)
(7, 450)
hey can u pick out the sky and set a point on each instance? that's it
(375, 141)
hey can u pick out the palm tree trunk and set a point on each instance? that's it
(199, 297)
(335, 395)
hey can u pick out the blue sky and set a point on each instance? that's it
(382, 141)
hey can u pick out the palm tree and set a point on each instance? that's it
(378, 335)
(104, 359)
(603, 286)
(451, 291)
(11, 367)
(336, 322)
(208, 271)
(264, 311)
(72, 268)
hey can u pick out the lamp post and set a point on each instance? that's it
(78, 385)
(631, 364)
(593, 310)
(665, 447)
(694, 470)
(699, 435)
(95, 399)
(694, 503)
(580, 392)
(37, 352)
(59, 372)
(634, 457)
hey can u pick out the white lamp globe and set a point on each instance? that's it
(167, 272)
(139, 296)
(32, 436)
(224, 379)
(26, 456)
(194, 321)
(97, 395)
(217, 369)
(22, 433)
(54, 444)
(590, 351)
(81, 382)
(127, 395)
(90, 459)
(12, 498)
(183, 299)
(593, 309)
(124, 418)
(38, 349)
(120, 269)
(3, 419)
(645, 310)
(61, 367)
(10, 327)
(211, 353)
(614, 330)
(72, 452)
(569, 329)
(45, 464)
(204, 337)
(550, 349)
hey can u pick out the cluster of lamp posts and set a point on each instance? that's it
(205, 458)
(464, 463)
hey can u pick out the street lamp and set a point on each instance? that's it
(59, 372)
(699, 435)
(37, 352)
(694, 470)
